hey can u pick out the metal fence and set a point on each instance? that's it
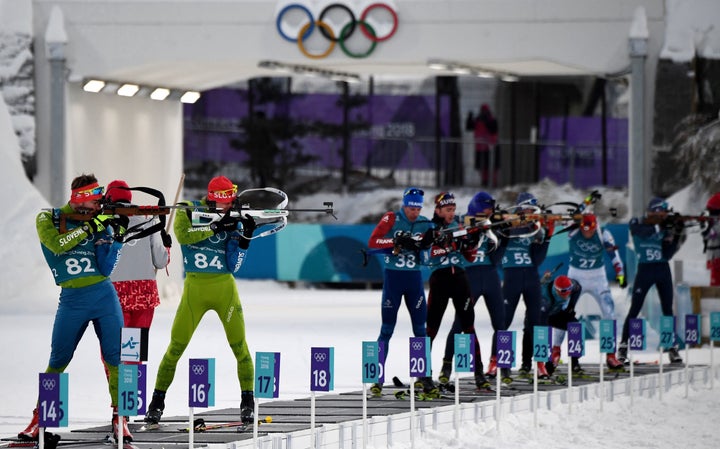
(369, 162)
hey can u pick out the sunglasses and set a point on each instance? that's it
(564, 291)
(413, 191)
(89, 192)
(226, 194)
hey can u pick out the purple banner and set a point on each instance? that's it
(576, 339)
(571, 150)
(201, 383)
(419, 357)
(395, 122)
(505, 349)
(142, 389)
(321, 369)
(53, 400)
(692, 329)
(637, 334)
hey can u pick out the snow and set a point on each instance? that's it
(691, 29)
(291, 321)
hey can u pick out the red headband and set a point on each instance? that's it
(90, 192)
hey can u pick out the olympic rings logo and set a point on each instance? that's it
(198, 369)
(48, 384)
(320, 356)
(346, 30)
(417, 345)
(504, 339)
(588, 247)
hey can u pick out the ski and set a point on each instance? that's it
(199, 425)
(149, 427)
(420, 396)
(54, 441)
(51, 441)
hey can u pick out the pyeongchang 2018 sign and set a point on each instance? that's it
(318, 27)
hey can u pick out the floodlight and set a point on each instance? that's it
(160, 93)
(128, 90)
(94, 86)
(190, 97)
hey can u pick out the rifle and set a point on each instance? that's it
(673, 217)
(267, 206)
(503, 221)
(125, 210)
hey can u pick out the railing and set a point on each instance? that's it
(373, 162)
(384, 431)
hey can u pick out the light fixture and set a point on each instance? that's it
(160, 93)
(94, 86)
(468, 69)
(190, 97)
(308, 70)
(436, 65)
(128, 90)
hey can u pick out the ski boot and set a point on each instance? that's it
(247, 407)
(492, 368)
(481, 381)
(622, 354)
(542, 372)
(32, 431)
(576, 368)
(155, 409)
(555, 355)
(376, 390)
(525, 372)
(506, 376)
(613, 363)
(445, 372)
(427, 387)
(115, 422)
(674, 355)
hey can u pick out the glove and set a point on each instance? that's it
(620, 275)
(470, 242)
(670, 221)
(248, 224)
(592, 198)
(427, 239)
(621, 280)
(679, 227)
(121, 221)
(226, 223)
(97, 224)
(406, 241)
(166, 239)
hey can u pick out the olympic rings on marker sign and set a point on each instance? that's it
(347, 30)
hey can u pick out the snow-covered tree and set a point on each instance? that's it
(697, 150)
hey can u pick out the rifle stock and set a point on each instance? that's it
(654, 218)
(116, 210)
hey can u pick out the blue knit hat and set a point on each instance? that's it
(658, 204)
(413, 197)
(480, 202)
(526, 199)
